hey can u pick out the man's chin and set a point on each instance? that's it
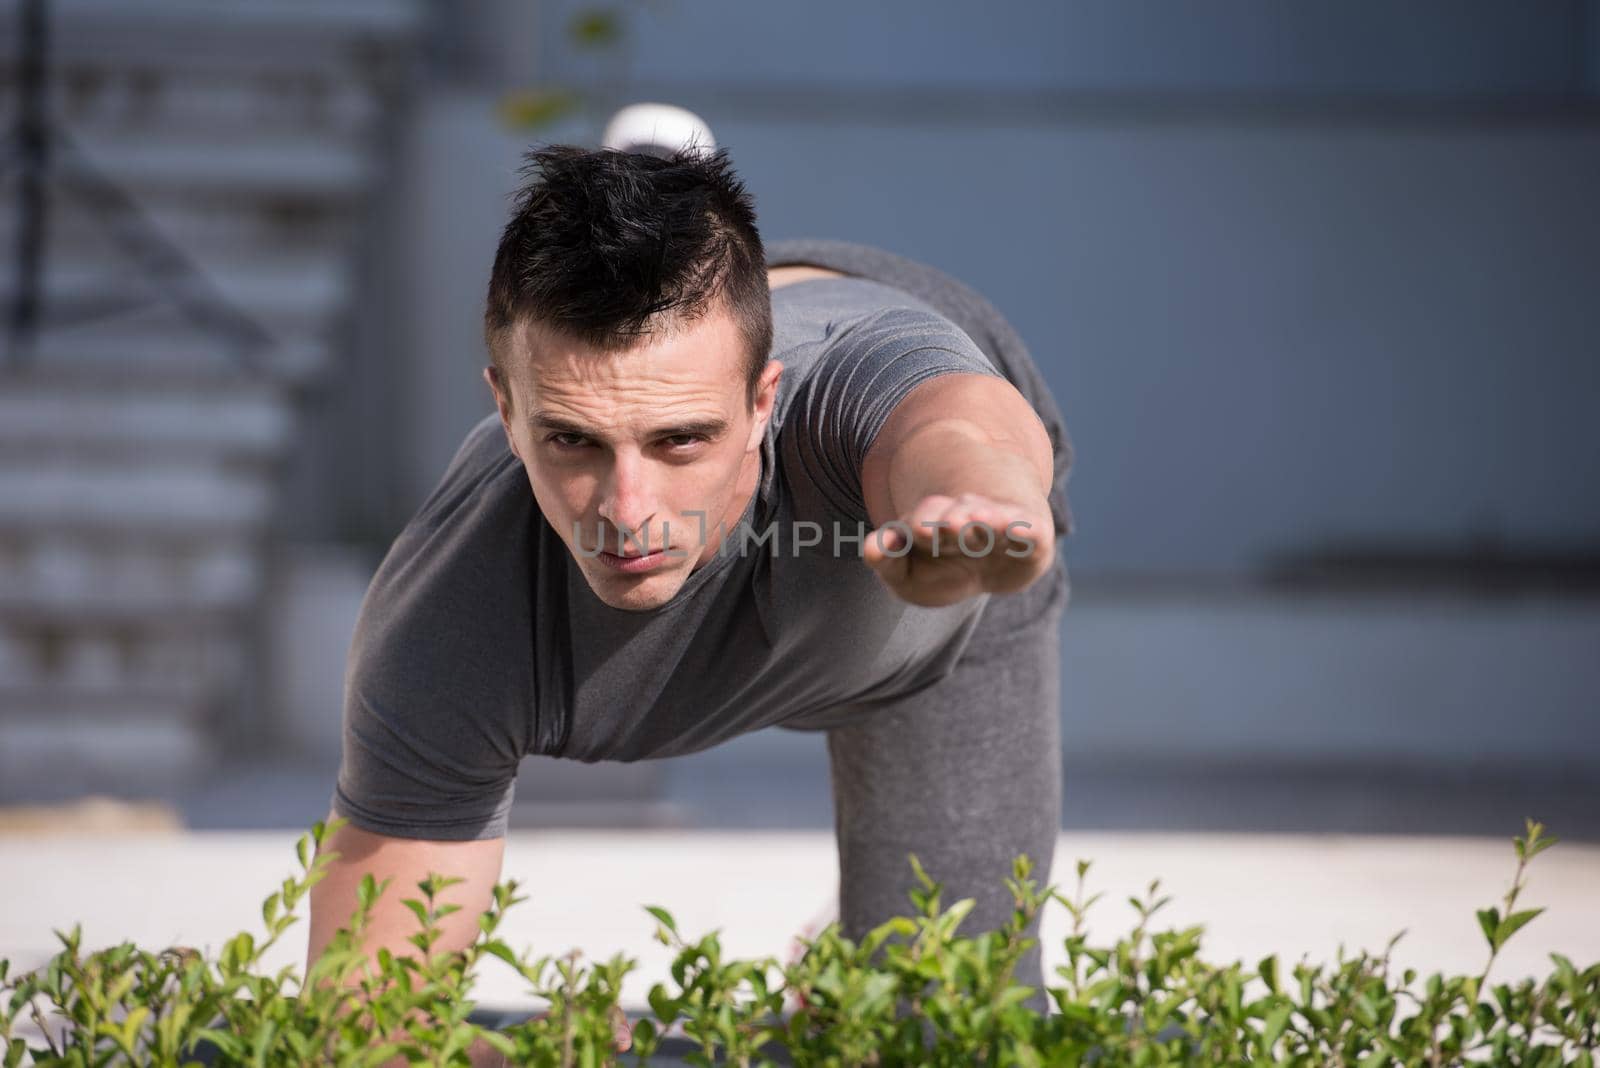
(633, 593)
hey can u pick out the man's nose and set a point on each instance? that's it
(626, 500)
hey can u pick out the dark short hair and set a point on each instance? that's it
(609, 246)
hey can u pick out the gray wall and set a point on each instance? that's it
(1426, 48)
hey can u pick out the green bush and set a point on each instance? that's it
(913, 992)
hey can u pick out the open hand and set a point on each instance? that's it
(947, 549)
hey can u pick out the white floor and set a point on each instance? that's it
(1257, 894)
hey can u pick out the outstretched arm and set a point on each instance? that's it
(961, 452)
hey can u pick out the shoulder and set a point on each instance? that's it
(858, 337)
(888, 333)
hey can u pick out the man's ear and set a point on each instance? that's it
(766, 401)
(502, 403)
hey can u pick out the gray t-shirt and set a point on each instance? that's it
(480, 642)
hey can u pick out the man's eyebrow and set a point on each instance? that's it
(705, 427)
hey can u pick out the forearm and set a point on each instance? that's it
(951, 457)
(480, 1052)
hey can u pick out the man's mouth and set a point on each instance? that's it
(629, 548)
(634, 554)
(634, 561)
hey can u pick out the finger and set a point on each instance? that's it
(1020, 546)
(1020, 541)
(885, 543)
(621, 1033)
(974, 510)
(973, 525)
(932, 506)
(984, 527)
(975, 534)
(893, 570)
(927, 520)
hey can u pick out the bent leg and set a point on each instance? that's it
(965, 774)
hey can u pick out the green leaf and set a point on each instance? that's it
(595, 28)
(530, 109)
(1010, 996)
(664, 1005)
(1276, 1021)
(1268, 970)
(418, 909)
(1514, 923)
(1535, 849)
(499, 949)
(1489, 920)
(133, 1023)
(663, 917)
(500, 1042)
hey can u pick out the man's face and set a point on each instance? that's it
(622, 449)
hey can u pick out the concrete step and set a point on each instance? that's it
(276, 295)
(98, 93)
(115, 609)
(216, 228)
(51, 578)
(240, 37)
(223, 419)
(141, 752)
(282, 163)
(193, 498)
(84, 706)
(52, 669)
(157, 350)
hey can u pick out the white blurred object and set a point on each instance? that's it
(658, 130)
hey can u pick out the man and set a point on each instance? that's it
(725, 487)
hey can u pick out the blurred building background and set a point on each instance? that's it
(1315, 285)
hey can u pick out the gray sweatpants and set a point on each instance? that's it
(967, 773)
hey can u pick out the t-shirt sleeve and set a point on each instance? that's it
(865, 370)
(437, 706)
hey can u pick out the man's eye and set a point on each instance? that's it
(681, 441)
(567, 441)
